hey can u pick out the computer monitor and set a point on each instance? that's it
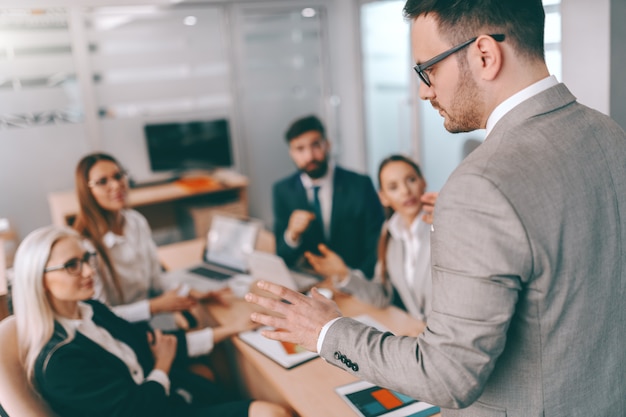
(189, 145)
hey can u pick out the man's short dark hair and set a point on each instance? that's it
(522, 21)
(303, 125)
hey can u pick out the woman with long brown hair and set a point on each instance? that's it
(404, 246)
(130, 275)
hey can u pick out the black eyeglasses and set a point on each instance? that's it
(421, 68)
(75, 266)
(104, 181)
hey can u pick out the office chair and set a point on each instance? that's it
(16, 396)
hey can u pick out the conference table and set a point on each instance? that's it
(309, 388)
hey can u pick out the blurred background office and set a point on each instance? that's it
(84, 75)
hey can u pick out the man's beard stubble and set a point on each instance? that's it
(319, 171)
(464, 114)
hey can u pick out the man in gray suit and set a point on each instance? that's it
(528, 240)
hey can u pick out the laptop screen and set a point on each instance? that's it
(230, 240)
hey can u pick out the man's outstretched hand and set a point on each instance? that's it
(299, 318)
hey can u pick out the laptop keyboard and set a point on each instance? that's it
(210, 273)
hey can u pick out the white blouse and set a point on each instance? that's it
(134, 255)
(136, 262)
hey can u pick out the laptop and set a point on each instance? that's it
(272, 268)
(229, 242)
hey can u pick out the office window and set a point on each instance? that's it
(386, 51)
(153, 60)
(37, 75)
(552, 36)
(392, 122)
(281, 76)
(441, 151)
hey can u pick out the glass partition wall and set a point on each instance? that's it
(396, 120)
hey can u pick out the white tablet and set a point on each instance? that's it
(369, 400)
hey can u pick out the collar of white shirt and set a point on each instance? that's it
(327, 179)
(517, 98)
(397, 228)
(110, 239)
(86, 314)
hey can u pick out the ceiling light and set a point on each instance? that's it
(308, 12)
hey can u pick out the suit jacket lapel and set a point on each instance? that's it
(127, 335)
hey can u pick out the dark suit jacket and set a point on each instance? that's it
(79, 378)
(356, 219)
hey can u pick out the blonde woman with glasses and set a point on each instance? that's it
(85, 360)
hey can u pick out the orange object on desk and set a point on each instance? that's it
(198, 183)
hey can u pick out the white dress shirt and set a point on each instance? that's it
(134, 255)
(136, 262)
(416, 250)
(517, 98)
(325, 196)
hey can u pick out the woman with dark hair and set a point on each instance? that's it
(404, 246)
(86, 361)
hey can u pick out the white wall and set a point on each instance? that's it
(34, 162)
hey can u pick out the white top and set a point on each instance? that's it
(134, 256)
(325, 196)
(408, 270)
(416, 241)
(136, 262)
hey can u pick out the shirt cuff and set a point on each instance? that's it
(320, 339)
(290, 242)
(160, 377)
(139, 311)
(199, 342)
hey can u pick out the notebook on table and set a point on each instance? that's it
(369, 400)
(229, 242)
(289, 355)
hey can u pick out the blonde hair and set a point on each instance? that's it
(33, 312)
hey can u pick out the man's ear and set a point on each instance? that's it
(490, 57)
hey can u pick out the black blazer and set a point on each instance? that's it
(81, 379)
(356, 219)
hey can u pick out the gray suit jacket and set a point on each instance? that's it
(529, 276)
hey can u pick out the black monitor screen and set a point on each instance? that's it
(188, 145)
